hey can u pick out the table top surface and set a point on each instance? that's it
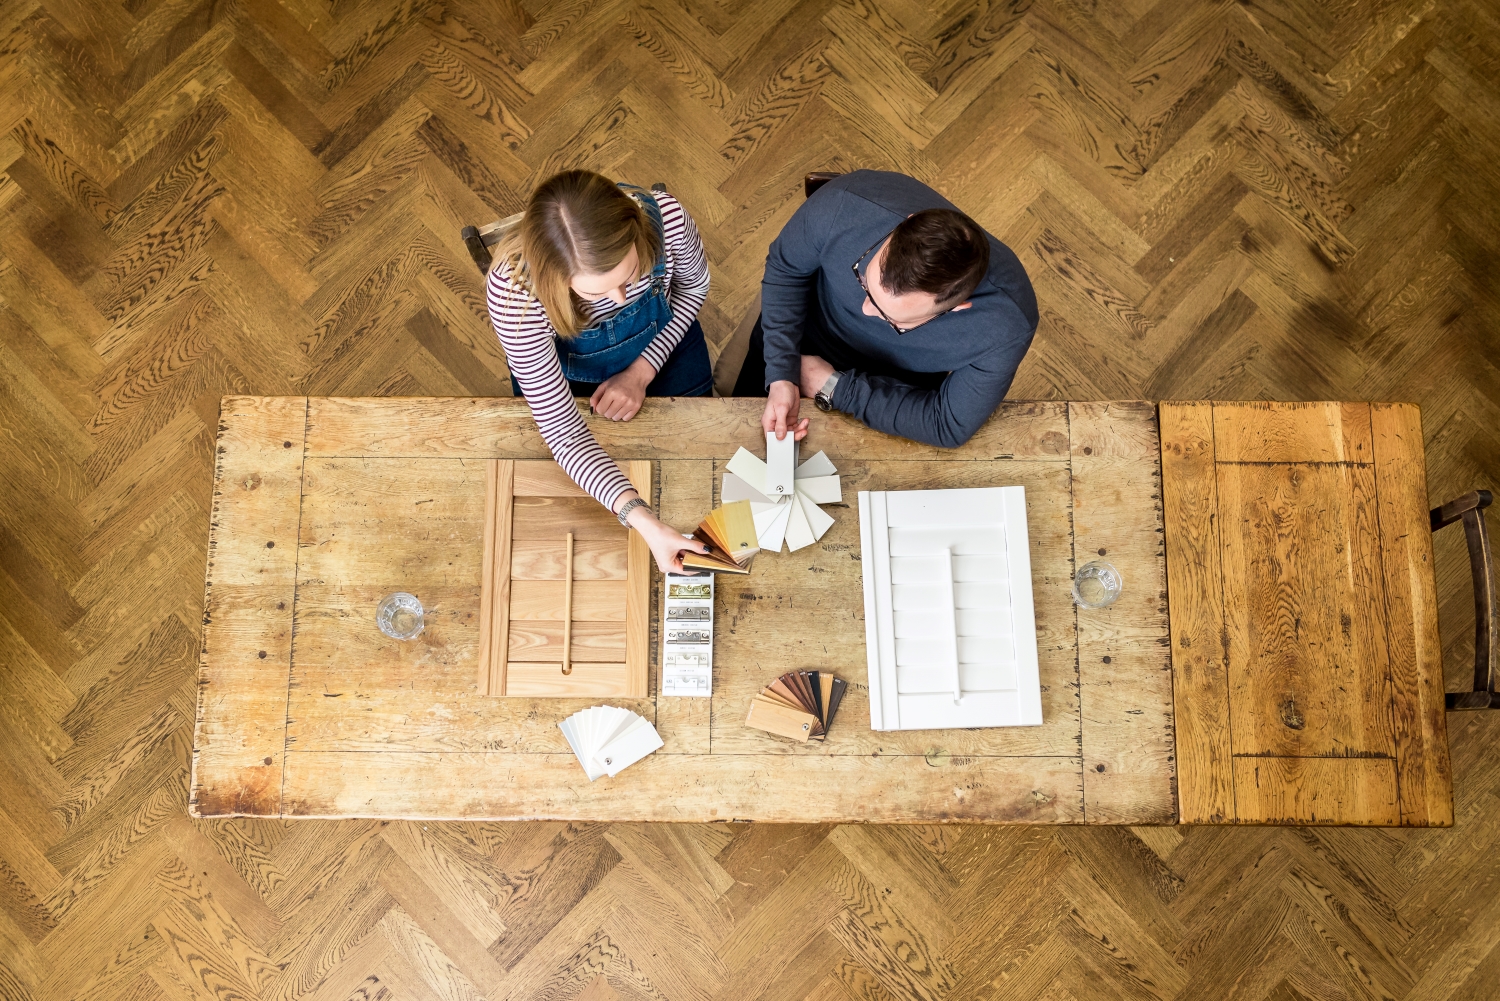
(323, 505)
(1306, 656)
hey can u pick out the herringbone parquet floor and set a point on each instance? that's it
(200, 197)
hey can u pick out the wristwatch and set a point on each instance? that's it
(628, 507)
(824, 397)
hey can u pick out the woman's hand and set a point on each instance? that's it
(620, 396)
(667, 544)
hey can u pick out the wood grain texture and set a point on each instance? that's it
(1304, 611)
(495, 575)
(1124, 673)
(639, 567)
(372, 523)
(1200, 679)
(1254, 202)
(1283, 551)
(1423, 773)
(252, 576)
(1313, 790)
(778, 789)
(1293, 432)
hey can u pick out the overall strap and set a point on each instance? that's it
(653, 212)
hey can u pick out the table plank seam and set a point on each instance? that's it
(1391, 640)
(291, 653)
(1083, 791)
(1216, 515)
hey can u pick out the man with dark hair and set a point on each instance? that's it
(882, 300)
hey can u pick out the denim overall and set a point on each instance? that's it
(609, 347)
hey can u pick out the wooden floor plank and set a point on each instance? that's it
(1272, 202)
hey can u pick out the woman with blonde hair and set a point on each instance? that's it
(596, 293)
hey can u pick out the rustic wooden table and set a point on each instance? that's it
(322, 506)
(1306, 654)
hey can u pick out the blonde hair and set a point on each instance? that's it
(576, 222)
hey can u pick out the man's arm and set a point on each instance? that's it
(791, 274)
(947, 416)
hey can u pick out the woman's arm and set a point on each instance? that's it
(526, 335)
(687, 277)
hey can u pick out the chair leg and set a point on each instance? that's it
(1470, 510)
(477, 250)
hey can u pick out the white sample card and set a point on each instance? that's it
(783, 495)
(736, 489)
(781, 464)
(950, 630)
(818, 465)
(606, 739)
(820, 489)
(687, 636)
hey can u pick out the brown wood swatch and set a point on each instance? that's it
(814, 693)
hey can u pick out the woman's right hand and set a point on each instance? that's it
(667, 544)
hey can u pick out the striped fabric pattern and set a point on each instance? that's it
(527, 336)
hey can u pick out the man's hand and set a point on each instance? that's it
(815, 372)
(620, 396)
(782, 404)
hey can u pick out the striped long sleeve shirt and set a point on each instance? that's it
(527, 336)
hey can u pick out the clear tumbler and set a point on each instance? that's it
(399, 616)
(1097, 584)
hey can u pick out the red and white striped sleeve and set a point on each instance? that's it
(526, 334)
(687, 277)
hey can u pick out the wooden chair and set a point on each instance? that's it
(812, 182)
(479, 239)
(1470, 510)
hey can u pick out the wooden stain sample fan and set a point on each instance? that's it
(565, 601)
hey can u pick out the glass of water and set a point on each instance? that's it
(1097, 584)
(399, 616)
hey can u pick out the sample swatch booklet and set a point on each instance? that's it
(687, 636)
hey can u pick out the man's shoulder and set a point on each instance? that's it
(1006, 285)
(888, 189)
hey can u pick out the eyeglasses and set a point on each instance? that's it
(861, 279)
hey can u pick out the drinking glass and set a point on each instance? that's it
(399, 616)
(1097, 584)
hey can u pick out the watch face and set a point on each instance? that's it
(823, 403)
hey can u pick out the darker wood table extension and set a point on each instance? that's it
(322, 506)
(1306, 660)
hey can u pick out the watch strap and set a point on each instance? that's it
(627, 507)
(825, 392)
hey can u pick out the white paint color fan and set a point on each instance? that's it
(950, 630)
(782, 513)
(608, 738)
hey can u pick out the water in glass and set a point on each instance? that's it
(1096, 584)
(400, 616)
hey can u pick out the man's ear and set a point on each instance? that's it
(963, 305)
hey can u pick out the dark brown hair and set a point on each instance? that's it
(938, 251)
(576, 222)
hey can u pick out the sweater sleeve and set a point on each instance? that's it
(526, 334)
(687, 278)
(792, 266)
(949, 415)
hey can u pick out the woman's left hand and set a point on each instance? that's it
(620, 396)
